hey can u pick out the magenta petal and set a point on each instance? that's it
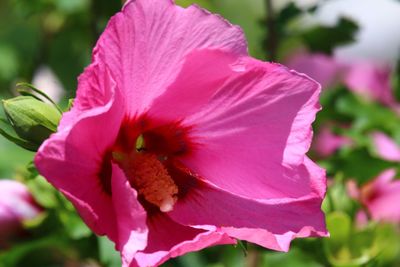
(254, 129)
(322, 68)
(327, 143)
(385, 147)
(145, 44)
(130, 217)
(202, 74)
(16, 205)
(72, 158)
(271, 223)
(168, 239)
(381, 197)
(370, 80)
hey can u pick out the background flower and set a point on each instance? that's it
(16, 205)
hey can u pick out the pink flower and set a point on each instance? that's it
(381, 196)
(327, 143)
(385, 147)
(322, 68)
(370, 80)
(178, 140)
(16, 205)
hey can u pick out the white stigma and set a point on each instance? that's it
(167, 205)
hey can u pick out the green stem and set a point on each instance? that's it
(272, 37)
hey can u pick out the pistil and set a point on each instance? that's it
(150, 178)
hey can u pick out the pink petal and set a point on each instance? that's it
(145, 44)
(361, 219)
(168, 239)
(327, 143)
(271, 223)
(254, 129)
(203, 73)
(381, 197)
(130, 217)
(370, 80)
(386, 207)
(17, 200)
(386, 148)
(383, 179)
(322, 68)
(72, 158)
(16, 205)
(352, 189)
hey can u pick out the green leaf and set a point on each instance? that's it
(294, 258)
(10, 135)
(108, 254)
(14, 257)
(339, 227)
(43, 192)
(74, 225)
(325, 38)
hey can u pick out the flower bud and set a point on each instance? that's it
(32, 120)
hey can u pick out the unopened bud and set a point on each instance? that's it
(32, 120)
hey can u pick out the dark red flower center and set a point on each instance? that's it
(148, 152)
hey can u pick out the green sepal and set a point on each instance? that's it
(41, 93)
(32, 120)
(12, 137)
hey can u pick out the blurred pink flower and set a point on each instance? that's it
(366, 78)
(16, 205)
(381, 197)
(327, 143)
(385, 147)
(370, 80)
(322, 68)
(178, 140)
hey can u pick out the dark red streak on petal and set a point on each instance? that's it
(170, 139)
(105, 173)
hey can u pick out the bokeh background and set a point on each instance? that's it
(351, 47)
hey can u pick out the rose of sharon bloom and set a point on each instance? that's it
(380, 196)
(178, 140)
(386, 147)
(16, 205)
(370, 80)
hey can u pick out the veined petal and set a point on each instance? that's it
(72, 158)
(130, 217)
(168, 239)
(251, 122)
(145, 44)
(203, 73)
(271, 223)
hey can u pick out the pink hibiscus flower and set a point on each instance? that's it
(380, 197)
(178, 140)
(370, 80)
(16, 205)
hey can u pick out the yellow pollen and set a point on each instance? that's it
(150, 178)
